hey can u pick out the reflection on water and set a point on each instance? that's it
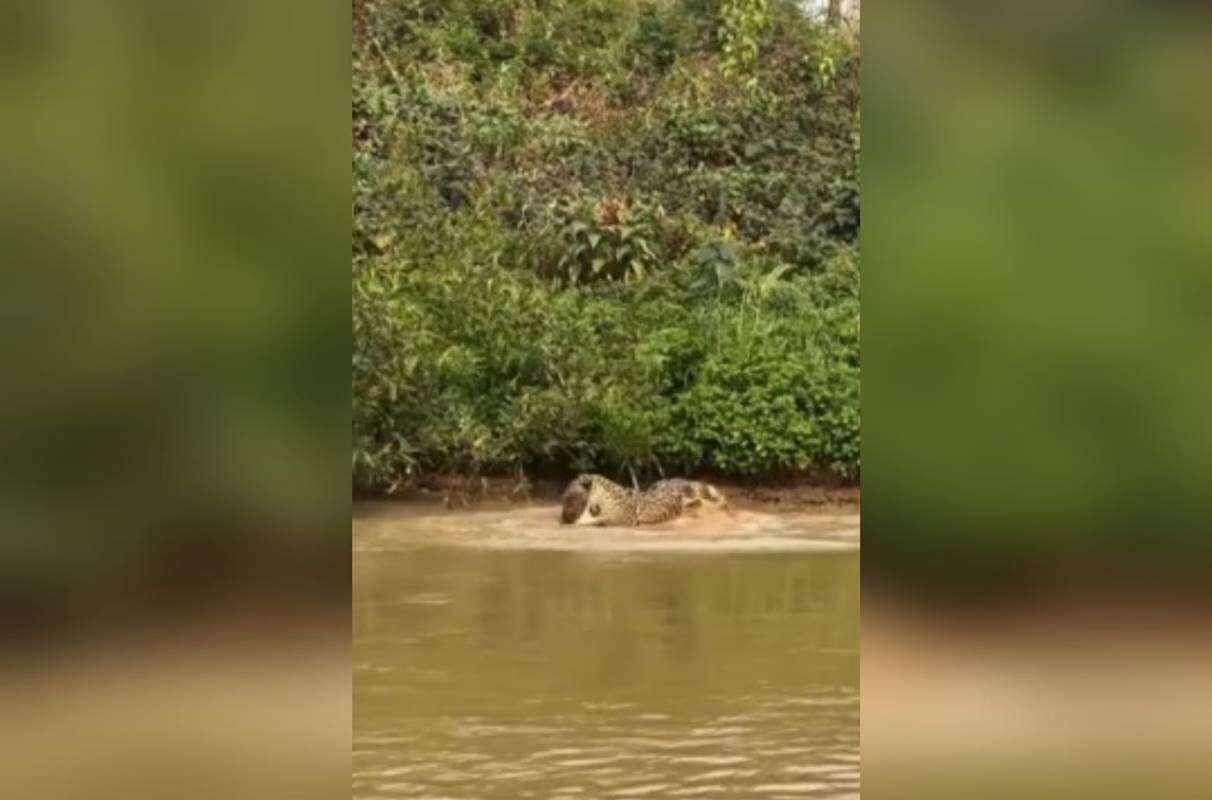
(498, 672)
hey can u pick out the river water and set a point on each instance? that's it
(500, 655)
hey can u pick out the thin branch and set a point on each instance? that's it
(390, 67)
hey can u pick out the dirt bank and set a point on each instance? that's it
(812, 493)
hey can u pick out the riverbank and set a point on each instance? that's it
(802, 494)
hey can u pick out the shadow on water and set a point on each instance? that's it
(556, 671)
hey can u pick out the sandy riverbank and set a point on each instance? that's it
(799, 495)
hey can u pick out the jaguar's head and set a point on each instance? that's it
(593, 500)
(575, 500)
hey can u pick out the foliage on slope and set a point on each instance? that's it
(588, 234)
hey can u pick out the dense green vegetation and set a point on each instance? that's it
(614, 234)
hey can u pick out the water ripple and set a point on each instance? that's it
(483, 674)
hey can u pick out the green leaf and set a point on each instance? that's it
(777, 272)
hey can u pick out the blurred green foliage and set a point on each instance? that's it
(1038, 289)
(580, 242)
(175, 333)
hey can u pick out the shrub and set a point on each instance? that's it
(608, 240)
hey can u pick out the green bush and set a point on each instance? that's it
(579, 244)
(608, 240)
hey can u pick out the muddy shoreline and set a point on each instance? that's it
(799, 494)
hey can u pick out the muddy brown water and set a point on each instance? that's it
(501, 655)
